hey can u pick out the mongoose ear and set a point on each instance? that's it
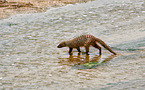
(64, 43)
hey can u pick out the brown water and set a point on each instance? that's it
(29, 58)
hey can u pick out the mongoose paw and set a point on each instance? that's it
(87, 53)
(70, 53)
(79, 53)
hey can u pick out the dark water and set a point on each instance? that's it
(29, 58)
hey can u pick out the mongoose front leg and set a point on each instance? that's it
(70, 50)
(87, 44)
(79, 49)
(87, 50)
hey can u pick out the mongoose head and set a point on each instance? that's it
(62, 44)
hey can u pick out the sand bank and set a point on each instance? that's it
(12, 7)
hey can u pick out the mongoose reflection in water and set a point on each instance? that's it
(85, 41)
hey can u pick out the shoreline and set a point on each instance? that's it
(13, 7)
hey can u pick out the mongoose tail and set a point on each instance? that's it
(105, 45)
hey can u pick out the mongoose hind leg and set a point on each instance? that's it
(97, 46)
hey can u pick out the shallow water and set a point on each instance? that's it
(29, 58)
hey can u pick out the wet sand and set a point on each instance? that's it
(13, 7)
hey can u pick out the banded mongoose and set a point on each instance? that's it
(85, 41)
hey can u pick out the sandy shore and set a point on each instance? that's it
(12, 7)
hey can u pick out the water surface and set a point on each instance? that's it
(29, 58)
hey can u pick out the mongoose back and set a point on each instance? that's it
(85, 41)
